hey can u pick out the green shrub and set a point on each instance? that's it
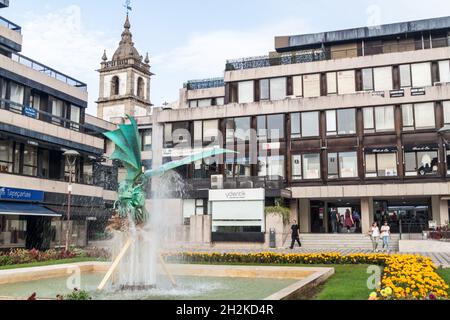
(78, 295)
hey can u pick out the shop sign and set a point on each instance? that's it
(21, 195)
(237, 195)
(382, 150)
(30, 112)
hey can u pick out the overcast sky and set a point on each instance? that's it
(187, 39)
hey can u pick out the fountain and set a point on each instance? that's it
(135, 243)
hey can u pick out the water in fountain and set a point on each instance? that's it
(138, 268)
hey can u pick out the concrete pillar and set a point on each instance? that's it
(305, 215)
(439, 210)
(207, 224)
(294, 210)
(367, 214)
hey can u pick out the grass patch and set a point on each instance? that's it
(445, 274)
(48, 263)
(349, 282)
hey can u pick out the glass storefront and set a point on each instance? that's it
(411, 215)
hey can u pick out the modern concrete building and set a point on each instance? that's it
(347, 119)
(42, 116)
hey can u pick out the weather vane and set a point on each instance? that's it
(127, 6)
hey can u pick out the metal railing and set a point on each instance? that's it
(329, 54)
(204, 84)
(37, 66)
(42, 115)
(10, 25)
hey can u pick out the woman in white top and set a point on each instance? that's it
(374, 236)
(386, 235)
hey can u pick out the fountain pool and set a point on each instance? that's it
(194, 282)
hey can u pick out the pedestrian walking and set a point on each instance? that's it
(295, 234)
(348, 222)
(334, 218)
(374, 233)
(386, 236)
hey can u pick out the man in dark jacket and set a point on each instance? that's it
(295, 234)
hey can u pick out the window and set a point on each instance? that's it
(35, 101)
(211, 131)
(381, 165)
(379, 119)
(382, 78)
(332, 83)
(245, 92)
(405, 76)
(446, 107)
(311, 85)
(421, 163)
(418, 116)
(30, 161)
(57, 111)
(193, 104)
(341, 122)
(147, 140)
(17, 96)
(367, 79)
(238, 128)
(202, 103)
(44, 158)
(261, 125)
(342, 165)
(421, 74)
(6, 156)
(115, 86)
(220, 101)
(346, 82)
(141, 88)
(264, 93)
(298, 86)
(311, 166)
(304, 124)
(305, 167)
(278, 89)
(75, 114)
(168, 140)
(444, 71)
(275, 127)
(272, 166)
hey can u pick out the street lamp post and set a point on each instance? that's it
(71, 159)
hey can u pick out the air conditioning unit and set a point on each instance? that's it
(440, 84)
(217, 182)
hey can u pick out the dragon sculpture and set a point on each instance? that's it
(131, 194)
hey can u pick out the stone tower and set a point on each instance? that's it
(124, 82)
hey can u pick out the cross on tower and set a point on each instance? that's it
(127, 6)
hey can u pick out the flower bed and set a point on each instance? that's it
(22, 256)
(404, 277)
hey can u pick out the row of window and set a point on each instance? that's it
(343, 82)
(20, 96)
(343, 165)
(202, 103)
(419, 116)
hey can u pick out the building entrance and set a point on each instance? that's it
(336, 216)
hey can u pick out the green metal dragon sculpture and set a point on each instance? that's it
(131, 194)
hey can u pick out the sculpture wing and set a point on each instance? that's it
(175, 164)
(128, 147)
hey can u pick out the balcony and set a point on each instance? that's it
(204, 84)
(10, 25)
(322, 54)
(48, 71)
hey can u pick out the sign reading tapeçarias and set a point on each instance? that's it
(21, 195)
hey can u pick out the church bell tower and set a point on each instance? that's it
(124, 82)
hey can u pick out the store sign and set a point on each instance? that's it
(237, 195)
(21, 195)
(418, 91)
(397, 93)
(382, 150)
(30, 112)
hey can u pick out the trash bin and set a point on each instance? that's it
(272, 238)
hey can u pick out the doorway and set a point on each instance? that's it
(322, 221)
